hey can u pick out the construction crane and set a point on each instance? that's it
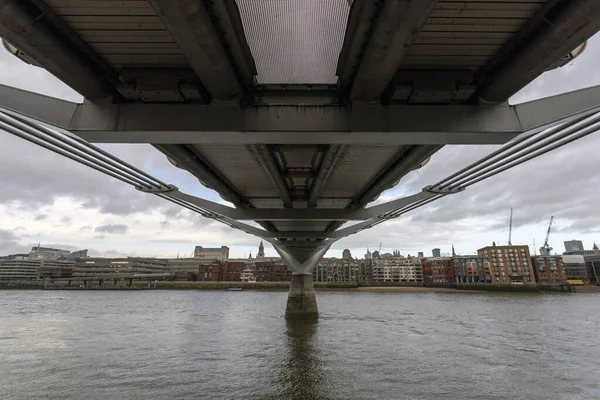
(510, 228)
(545, 249)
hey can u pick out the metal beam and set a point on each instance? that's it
(26, 28)
(205, 124)
(332, 157)
(191, 26)
(358, 29)
(190, 162)
(564, 28)
(264, 159)
(397, 25)
(406, 162)
(50, 110)
(280, 214)
(298, 125)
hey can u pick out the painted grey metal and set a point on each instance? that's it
(301, 267)
(562, 31)
(526, 148)
(334, 154)
(580, 134)
(406, 161)
(394, 125)
(31, 33)
(510, 148)
(264, 158)
(396, 27)
(190, 24)
(72, 142)
(202, 171)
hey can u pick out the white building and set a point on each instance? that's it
(397, 269)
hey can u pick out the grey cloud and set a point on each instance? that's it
(65, 220)
(9, 243)
(40, 217)
(99, 237)
(85, 228)
(112, 228)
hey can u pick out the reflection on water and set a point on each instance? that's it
(237, 345)
(302, 376)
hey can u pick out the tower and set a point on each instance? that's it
(261, 250)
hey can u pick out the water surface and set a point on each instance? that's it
(236, 345)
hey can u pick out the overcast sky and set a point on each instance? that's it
(50, 200)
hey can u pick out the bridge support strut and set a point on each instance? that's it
(302, 301)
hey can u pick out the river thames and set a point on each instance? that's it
(237, 345)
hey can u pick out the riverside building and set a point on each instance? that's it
(509, 264)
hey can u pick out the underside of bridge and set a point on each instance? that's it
(311, 107)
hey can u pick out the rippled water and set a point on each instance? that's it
(236, 345)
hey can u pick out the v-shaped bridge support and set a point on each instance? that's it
(302, 301)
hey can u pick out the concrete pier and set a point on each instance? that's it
(302, 302)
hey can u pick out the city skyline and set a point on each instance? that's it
(49, 199)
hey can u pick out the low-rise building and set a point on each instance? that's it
(438, 270)
(396, 269)
(19, 270)
(210, 272)
(592, 263)
(113, 267)
(341, 270)
(232, 270)
(549, 270)
(471, 269)
(509, 264)
(575, 267)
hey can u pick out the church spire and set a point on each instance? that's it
(453, 252)
(261, 250)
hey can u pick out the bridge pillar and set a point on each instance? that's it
(302, 301)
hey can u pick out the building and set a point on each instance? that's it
(574, 245)
(396, 269)
(261, 250)
(575, 267)
(509, 264)
(113, 267)
(183, 264)
(48, 253)
(420, 255)
(592, 263)
(471, 269)
(438, 270)
(211, 253)
(232, 270)
(19, 270)
(341, 270)
(271, 271)
(210, 272)
(549, 270)
(436, 253)
(346, 255)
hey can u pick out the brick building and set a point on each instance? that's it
(438, 270)
(509, 264)
(232, 270)
(271, 271)
(471, 269)
(549, 270)
(210, 272)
